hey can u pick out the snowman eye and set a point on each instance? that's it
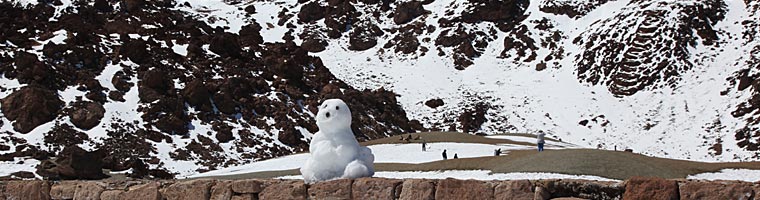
(337, 107)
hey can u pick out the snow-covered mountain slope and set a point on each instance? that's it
(192, 85)
(654, 76)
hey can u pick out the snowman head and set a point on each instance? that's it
(333, 115)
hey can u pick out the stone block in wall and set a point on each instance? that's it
(646, 188)
(111, 195)
(586, 189)
(335, 189)
(285, 190)
(89, 190)
(221, 190)
(188, 190)
(541, 193)
(375, 188)
(2, 190)
(463, 189)
(63, 190)
(244, 197)
(418, 189)
(715, 190)
(517, 190)
(247, 186)
(27, 190)
(148, 191)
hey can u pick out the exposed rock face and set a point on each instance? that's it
(30, 107)
(643, 63)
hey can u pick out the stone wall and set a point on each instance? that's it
(378, 188)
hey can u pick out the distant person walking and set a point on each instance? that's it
(444, 154)
(455, 156)
(540, 141)
(424, 145)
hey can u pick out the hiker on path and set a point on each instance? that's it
(424, 145)
(540, 141)
(444, 154)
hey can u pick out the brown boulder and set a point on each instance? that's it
(221, 190)
(310, 12)
(434, 103)
(186, 190)
(375, 188)
(463, 189)
(23, 174)
(313, 45)
(421, 189)
(135, 50)
(148, 191)
(87, 115)
(517, 189)
(285, 190)
(407, 11)
(89, 190)
(335, 189)
(30, 107)
(74, 163)
(363, 37)
(248, 186)
(650, 188)
(715, 190)
(196, 94)
(225, 45)
(27, 190)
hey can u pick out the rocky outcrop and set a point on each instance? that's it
(647, 57)
(30, 107)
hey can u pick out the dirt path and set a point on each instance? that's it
(609, 164)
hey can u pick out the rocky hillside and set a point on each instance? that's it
(149, 87)
(185, 86)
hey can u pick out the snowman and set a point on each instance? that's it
(335, 153)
